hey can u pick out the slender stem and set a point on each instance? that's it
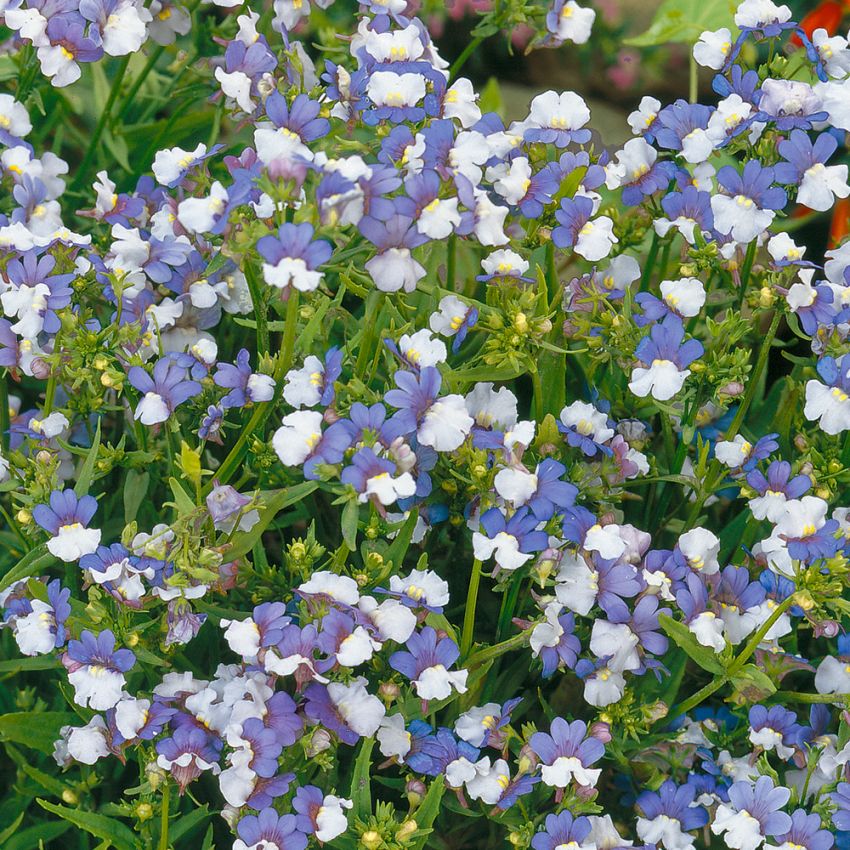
(737, 664)
(498, 649)
(752, 645)
(650, 263)
(260, 309)
(752, 386)
(137, 83)
(506, 613)
(451, 261)
(469, 612)
(82, 170)
(749, 259)
(465, 54)
(163, 828)
(693, 81)
(538, 393)
(231, 463)
(809, 699)
(4, 412)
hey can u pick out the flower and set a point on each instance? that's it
(566, 754)
(752, 814)
(293, 257)
(426, 665)
(66, 520)
(96, 669)
(163, 392)
(665, 358)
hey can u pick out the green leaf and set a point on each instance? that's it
(426, 814)
(7, 833)
(398, 548)
(682, 636)
(361, 789)
(135, 491)
(350, 519)
(16, 665)
(685, 20)
(279, 499)
(753, 684)
(100, 826)
(34, 562)
(30, 837)
(182, 502)
(190, 463)
(38, 730)
(49, 783)
(186, 824)
(87, 472)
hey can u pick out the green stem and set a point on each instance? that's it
(809, 699)
(538, 393)
(650, 263)
(506, 613)
(693, 81)
(498, 649)
(260, 309)
(4, 412)
(82, 170)
(469, 612)
(737, 664)
(231, 463)
(749, 259)
(163, 828)
(715, 470)
(137, 83)
(465, 54)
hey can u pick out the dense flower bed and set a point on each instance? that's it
(378, 474)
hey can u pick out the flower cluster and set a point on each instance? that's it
(378, 469)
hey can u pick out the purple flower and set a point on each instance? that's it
(246, 387)
(562, 830)
(573, 215)
(301, 117)
(426, 664)
(671, 802)
(96, 669)
(551, 492)
(805, 832)
(36, 294)
(841, 798)
(67, 519)
(187, 753)
(752, 814)
(774, 728)
(677, 121)
(292, 257)
(162, 392)
(778, 480)
(565, 651)
(268, 828)
(281, 716)
(566, 754)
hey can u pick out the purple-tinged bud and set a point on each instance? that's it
(320, 741)
(601, 731)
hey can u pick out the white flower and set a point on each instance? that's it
(739, 217)
(713, 48)
(445, 424)
(515, 485)
(512, 180)
(587, 420)
(73, 541)
(35, 633)
(439, 218)
(574, 23)
(662, 380)
(438, 683)
(564, 769)
(125, 29)
(505, 547)
(770, 739)
(393, 620)
(490, 781)
(395, 269)
(604, 687)
(87, 744)
(297, 437)
(387, 88)
(700, 548)
(565, 111)
(422, 586)
(596, 239)
(782, 247)
(707, 628)
(331, 819)
(616, 642)
(666, 831)
(644, 115)
(341, 588)
(577, 585)
(822, 184)
(421, 349)
(686, 296)
(243, 637)
(833, 676)
(633, 161)
(801, 517)
(606, 540)
(393, 739)
(829, 405)
(361, 711)
(475, 725)
(96, 687)
(504, 262)
(460, 102)
(740, 830)
(131, 714)
(170, 164)
(757, 13)
(833, 52)
(199, 215)
(450, 316)
(733, 453)
(489, 221)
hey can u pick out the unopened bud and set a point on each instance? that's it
(388, 691)
(371, 840)
(766, 296)
(44, 457)
(70, 797)
(406, 830)
(144, 811)
(415, 791)
(801, 443)
(601, 731)
(319, 742)
(732, 390)
(23, 517)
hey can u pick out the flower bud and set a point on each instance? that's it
(44, 457)
(154, 774)
(144, 811)
(415, 791)
(406, 830)
(601, 731)
(70, 797)
(388, 691)
(320, 741)
(371, 839)
(23, 517)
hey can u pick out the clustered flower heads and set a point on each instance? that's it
(381, 474)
